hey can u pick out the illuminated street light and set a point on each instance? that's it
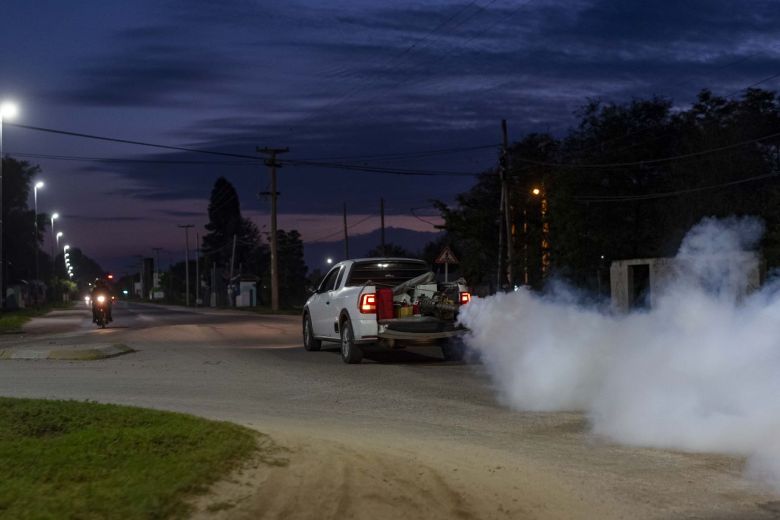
(328, 260)
(38, 186)
(8, 110)
(54, 216)
(535, 192)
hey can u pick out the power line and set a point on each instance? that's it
(381, 169)
(418, 217)
(757, 83)
(649, 161)
(129, 141)
(343, 166)
(651, 196)
(125, 160)
(404, 155)
(341, 230)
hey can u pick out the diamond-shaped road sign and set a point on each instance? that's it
(446, 256)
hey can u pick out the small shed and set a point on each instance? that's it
(246, 296)
(637, 283)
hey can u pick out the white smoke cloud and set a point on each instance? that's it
(700, 371)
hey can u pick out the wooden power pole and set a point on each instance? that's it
(273, 164)
(186, 228)
(382, 218)
(507, 205)
(346, 234)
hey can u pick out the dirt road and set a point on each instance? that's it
(404, 435)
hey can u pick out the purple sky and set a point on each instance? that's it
(331, 79)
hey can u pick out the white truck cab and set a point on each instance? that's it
(391, 302)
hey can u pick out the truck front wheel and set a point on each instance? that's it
(309, 342)
(350, 352)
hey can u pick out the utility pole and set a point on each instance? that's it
(141, 276)
(273, 164)
(186, 229)
(499, 273)
(382, 218)
(197, 269)
(213, 301)
(156, 281)
(232, 263)
(507, 205)
(2, 257)
(346, 235)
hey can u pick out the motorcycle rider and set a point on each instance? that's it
(101, 289)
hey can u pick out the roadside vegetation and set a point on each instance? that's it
(12, 321)
(68, 459)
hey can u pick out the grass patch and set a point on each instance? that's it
(11, 322)
(68, 459)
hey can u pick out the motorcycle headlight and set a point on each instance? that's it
(101, 299)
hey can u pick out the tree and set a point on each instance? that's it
(21, 234)
(292, 269)
(391, 249)
(472, 226)
(225, 223)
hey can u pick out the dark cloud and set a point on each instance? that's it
(98, 218)
(150, 75)
(175, 213)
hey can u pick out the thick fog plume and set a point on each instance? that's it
(699, 371)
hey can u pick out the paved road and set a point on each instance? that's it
(445, 416)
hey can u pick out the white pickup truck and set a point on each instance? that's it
(389, 302)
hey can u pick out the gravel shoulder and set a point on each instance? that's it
(327, 479)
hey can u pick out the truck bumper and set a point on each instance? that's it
(418, 329)
(418, 336)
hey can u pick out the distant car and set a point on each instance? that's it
(390, 302)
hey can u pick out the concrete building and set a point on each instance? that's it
(637, 283)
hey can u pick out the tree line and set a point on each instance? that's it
(23, 234)
(627, 181)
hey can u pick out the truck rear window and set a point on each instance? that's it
(385, 273)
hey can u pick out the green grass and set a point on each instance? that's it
(12, 321)
(68, 459)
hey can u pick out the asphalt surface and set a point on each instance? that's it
(252, 369)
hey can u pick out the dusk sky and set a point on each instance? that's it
(331, 80)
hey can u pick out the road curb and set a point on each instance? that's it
(68, 354)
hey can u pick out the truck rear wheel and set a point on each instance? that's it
(309, 342)
(453, 350)
(351, 352)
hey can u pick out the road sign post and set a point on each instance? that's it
(446, 257)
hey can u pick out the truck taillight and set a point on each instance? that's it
(368, 303)
(465, 297)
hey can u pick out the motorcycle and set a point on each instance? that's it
(100, 305)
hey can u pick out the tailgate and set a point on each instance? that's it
(418, 328)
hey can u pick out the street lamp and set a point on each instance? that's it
(38, 186)
(535, 192)
(54, 216)
(8, 110)
(59, 234)
(65, 258)
(328, 260)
